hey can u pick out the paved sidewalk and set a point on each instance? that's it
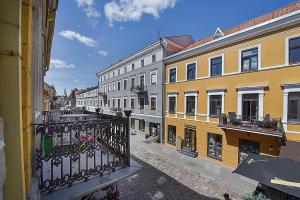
(202, 176)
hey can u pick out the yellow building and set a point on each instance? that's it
(26, 31)
(238, 91)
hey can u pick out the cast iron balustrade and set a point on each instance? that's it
(139, 89)
(103, 94)
(76, 151)
(260, 125)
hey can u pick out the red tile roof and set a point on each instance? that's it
(264, 18)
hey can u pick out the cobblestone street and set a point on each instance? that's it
(162, 178)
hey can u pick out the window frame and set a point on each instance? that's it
(125, 99)
(151, 103)
(210, 65)
(140, 80)
(169, 70)
(153, 58)
(139, 100)
(210, 105)
(140, 120)
(194, 94)
(288, 109)
(142, 62)
(125, 85)
(175, 109)
(258, 46)
(215, 147)
(119, 88)
(186, 71)
(287, 49)
(151, 73)
(133, 103)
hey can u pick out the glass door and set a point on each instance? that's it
(250, 107)
(246, 147)
(190, 139)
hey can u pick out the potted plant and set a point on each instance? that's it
(147, 135)
(157, 139)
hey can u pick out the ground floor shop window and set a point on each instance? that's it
(214, 146)
(190, 138)
(142, 125)
(132, 123)
(172, 135)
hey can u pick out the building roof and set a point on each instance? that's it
(259, 20)
(181, 40)
(87, 89)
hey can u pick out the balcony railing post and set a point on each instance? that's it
(127, 114)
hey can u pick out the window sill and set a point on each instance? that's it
(214, 116)
(172, 112)
(190, 114)
(293, 122)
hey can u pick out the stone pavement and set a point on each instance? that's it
(190, 175)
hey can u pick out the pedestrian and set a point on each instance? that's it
(226, 196)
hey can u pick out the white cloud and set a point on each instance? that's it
(60, 64)
(103, 53)
(71, 35)
(76, 80)
(133, 10)
(88, 7)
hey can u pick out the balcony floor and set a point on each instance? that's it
(76, 191)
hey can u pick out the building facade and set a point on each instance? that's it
(88, 98)
(136, 83)
(26, 40)
(49, 97)
(238, 91)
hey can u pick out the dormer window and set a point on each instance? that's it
(218, 33)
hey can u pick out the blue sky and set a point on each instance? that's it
(93, 34)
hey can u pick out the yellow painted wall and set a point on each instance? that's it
(274, 74)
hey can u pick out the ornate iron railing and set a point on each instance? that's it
(267, 124)
(139, 89)
(71, 152)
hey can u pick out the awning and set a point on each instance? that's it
(278, 173)
(291, 150)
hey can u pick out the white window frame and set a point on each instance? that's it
(139, 103)
(172, 95)
(118, 86)
(288, 89)
(258, 46)
(120, 103)
(114, 86)
(195, 94)
(213, 93)
(287, 48)
(153, 96)
(153, 72)
(133, 102)
(140, 79)
(251, 90)
(124, 84)
(186, 65)
(126, 102)
(209, 64)
(169, 69)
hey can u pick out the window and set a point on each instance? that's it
(142, 103)
(153, 58)
(172, 74)
(132, 103)
(215, 105)
(125, 84)
(294, 50)
(191, 71)
(142, 63)
(153, 103)
(142, 125)
(124, 103)
(132, 123)
(113, 74)
(119, 72)
(119, 86)
(132, 66)
(132, 82)
(172, 104)
(172, 134)
(214, 146)
(114, 86)
(119, 103)
(153, 78)
(125, 69)
(108, 102)
(142, 80)
(249, 59)
(108, 88)
(190, 105)
(101, 103)
(294, 106)
(216, 66)
(250, 107)
(114, 103)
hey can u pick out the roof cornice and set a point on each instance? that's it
(283, 21)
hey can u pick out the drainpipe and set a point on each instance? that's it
(2, 160)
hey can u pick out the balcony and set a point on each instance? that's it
(75, 158)
(260, 125)
(139, 89)
(103, 94)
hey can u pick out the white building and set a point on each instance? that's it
(88, 98)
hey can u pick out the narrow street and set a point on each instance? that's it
(164, 177)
